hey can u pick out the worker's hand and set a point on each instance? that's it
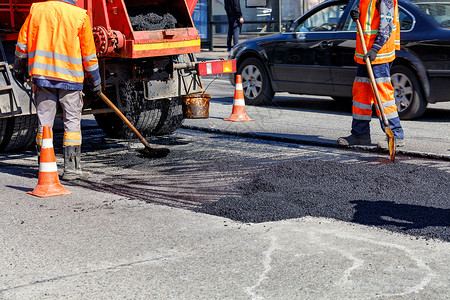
(371, 54)
(354, 14)
(97, 90)
(241, 20)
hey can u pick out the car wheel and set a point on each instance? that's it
(408, 93)
(255, 82)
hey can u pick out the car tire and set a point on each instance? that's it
(255, 82)
(409, 97)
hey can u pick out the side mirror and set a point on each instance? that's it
(287, 25)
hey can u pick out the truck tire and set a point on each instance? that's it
(150, 117)
(3, 122)
(409, 97)
(19, 133)
(171, 117)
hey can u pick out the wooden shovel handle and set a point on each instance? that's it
(372, 77)
(122, 116)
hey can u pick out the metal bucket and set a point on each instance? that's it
(196, 106)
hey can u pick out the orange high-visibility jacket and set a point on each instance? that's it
(57, 40)
(370, 23)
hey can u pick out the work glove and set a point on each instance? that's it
(354, 13)
(371, 54)
(97, 90)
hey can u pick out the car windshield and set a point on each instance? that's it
(438, 10)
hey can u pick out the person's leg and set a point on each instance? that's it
(230, 32)
(236, 31)
(46, 100)
(362, 110)
(362, 103)
(72, 104)
(382, 74)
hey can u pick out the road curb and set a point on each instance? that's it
(315, 143)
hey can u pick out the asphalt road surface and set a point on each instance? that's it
(155, 229)
(269, 209)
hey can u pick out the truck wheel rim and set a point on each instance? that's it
(403, 91)
(251, 81)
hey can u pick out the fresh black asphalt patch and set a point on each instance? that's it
(398, 197)
(401, 197)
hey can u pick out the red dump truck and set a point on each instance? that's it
(146, 52)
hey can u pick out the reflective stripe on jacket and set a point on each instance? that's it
(57, 39)
(373, 14)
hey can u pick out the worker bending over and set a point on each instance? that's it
(57, 44)
(379, 21)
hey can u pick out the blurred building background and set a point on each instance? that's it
(260, 17)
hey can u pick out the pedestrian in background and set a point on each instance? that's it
(381, 30)
(235, 21)
(56, 48)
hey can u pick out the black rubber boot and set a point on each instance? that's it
(353, 140)
(384, 144)
(72, 164)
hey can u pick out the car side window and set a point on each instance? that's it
(405, 19)
(438, 10)
(323, 20)
(349, 24)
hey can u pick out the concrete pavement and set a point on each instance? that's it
(92, 245)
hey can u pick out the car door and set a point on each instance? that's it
(343, 65)
(301, 61)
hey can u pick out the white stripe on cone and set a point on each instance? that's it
(239, 102)
(238, 86)
(48, 167)
(47, 143)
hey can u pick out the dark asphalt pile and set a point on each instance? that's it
(150, 18)
(398, 197)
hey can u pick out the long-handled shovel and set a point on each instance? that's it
(147, 151)
(382, 117)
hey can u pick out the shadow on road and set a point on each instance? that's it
(404, 216)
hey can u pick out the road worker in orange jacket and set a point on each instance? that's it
(57, 45)
(380, 24)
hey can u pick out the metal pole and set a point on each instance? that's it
(279, 15)
(210, 26)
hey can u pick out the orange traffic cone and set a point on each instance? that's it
(48, 180)
(238, 113)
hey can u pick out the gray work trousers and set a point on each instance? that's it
(47, 99)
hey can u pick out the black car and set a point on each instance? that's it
(314, 56)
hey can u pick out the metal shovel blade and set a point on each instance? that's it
(154, 152)
(391, 143)
(148, 151)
